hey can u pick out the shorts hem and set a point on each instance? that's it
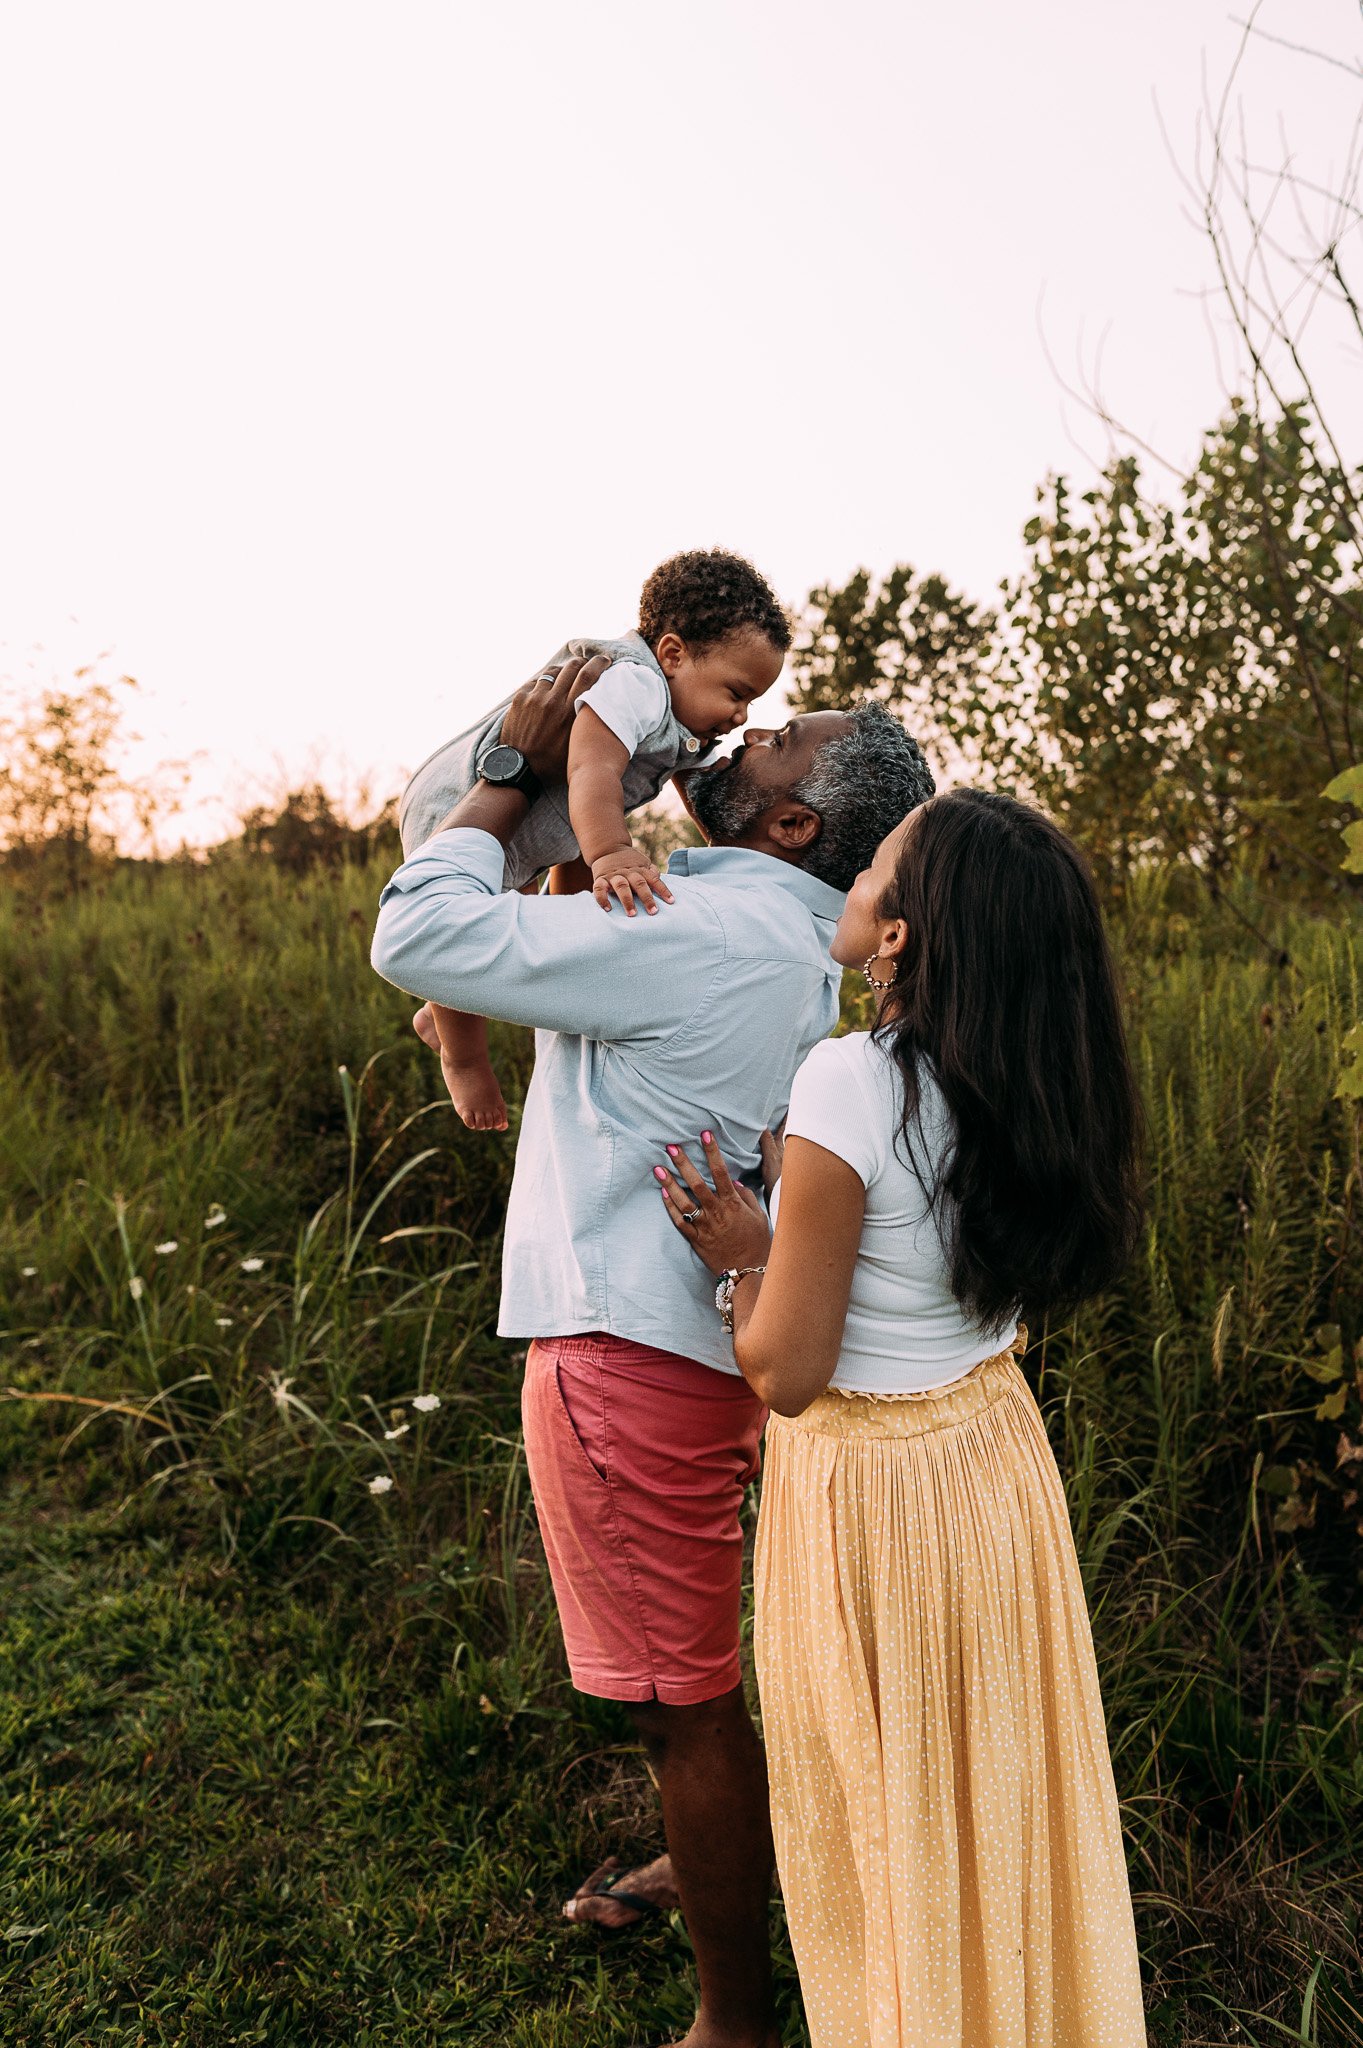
(638, 1692)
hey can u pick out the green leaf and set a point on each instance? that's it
(1352, 862)
(1332, 1407)
(1350, 1088)
(1346, 788)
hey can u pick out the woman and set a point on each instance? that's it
(945, 1818)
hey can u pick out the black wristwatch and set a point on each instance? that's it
(507, 768)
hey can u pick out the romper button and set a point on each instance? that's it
(693, 746)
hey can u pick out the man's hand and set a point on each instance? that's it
(539, 718)
(773, 1149)
(628, 873)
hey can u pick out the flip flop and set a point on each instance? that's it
(610, 1887)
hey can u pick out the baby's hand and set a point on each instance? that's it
(628, 873)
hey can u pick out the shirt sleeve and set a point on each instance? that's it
(829, 1105)
(631, 699)
(448, 934)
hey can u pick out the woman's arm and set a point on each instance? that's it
(788, 1323)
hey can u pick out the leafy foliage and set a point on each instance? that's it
(1189, 670)
(65, 792)
(908, 642)
(306, 830)
(1172, 681)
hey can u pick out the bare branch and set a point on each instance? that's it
(1301, 49)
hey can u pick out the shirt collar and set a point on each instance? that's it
(744, 864)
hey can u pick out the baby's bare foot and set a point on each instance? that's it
(424, 1026)
(475, 1093)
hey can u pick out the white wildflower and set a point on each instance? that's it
(426, 1404)
(252, 1265)
(172, 1244)
(390, 1436)
(280, 1391)
(216, 1215)
(380, 1483)
(223, 1322)
(137, 1287)
(30, 1272)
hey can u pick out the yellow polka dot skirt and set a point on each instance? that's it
(946, 1823)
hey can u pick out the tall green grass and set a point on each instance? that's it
(182, 1045)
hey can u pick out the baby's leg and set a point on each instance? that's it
(468, 1070)
(570, 878)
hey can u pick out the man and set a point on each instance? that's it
(640, 1436)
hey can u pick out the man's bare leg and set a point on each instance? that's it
(713, 1778)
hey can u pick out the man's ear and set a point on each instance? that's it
(793, 827)
(668, 653)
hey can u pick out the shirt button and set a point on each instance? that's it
(693, 746)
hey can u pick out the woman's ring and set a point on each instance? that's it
(692, 1215)
(549, 676)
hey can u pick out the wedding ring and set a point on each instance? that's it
(692, 1215)
(548, 676)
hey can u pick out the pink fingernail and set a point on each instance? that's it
(658, 1173)
(672, 1151)
(707, 1137)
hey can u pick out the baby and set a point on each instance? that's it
(711, 638)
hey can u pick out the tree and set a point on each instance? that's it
(1249, 595)
(1186, 672)
(908, 642)
(306, 830)
(64, 791)
(1174, 674)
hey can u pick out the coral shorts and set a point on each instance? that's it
(639, 1461)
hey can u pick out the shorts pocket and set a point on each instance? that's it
(592, 1458)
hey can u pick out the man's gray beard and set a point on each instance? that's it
(723, 807)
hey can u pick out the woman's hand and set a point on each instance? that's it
(725, 1224)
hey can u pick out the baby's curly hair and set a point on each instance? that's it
(705, 595)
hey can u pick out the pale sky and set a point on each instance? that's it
(353, 356)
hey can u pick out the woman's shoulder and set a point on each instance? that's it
(858, 1077)
(854, 1056)
(852, 1074)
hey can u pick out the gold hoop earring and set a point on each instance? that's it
(870, 978)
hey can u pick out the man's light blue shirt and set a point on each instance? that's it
(648, 1031)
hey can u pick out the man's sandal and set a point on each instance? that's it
(610, 1886)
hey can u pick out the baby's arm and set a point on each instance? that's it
(597, 761)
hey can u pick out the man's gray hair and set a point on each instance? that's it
(861, 785)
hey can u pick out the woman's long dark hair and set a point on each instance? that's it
(1007, 991)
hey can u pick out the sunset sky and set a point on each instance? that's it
(354, 355)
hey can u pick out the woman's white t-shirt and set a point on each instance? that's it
(905, 1330)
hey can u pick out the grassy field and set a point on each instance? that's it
(288, 1759)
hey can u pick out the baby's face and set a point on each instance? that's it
(711, 692)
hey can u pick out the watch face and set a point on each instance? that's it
(503, 764)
